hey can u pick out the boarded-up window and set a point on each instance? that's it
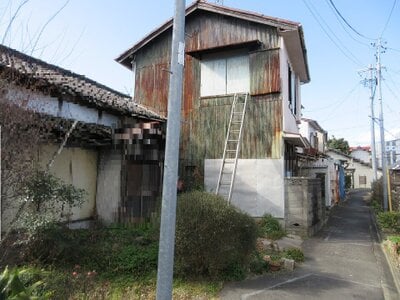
(227, 75)
(362, 180)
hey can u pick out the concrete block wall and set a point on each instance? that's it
(304, 207)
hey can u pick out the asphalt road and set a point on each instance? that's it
(344, 261)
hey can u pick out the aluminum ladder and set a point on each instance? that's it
(230, 156)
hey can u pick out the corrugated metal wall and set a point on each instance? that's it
(205, 120)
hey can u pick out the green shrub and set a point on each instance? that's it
(377, 192)
(12, 286)
(257, 264)
(394, 239)
(270, 227)
(212, 238)
(389, 221)
(294, 253)
(376, 206)
(108, 250)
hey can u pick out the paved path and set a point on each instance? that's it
(344, 261)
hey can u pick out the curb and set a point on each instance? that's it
(395, 274)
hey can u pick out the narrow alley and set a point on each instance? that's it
(343, 261)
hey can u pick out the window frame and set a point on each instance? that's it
(226, 57)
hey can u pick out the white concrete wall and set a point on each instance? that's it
(305, 130)
(108, 185)
(259, 185)
(38, 102)
(75, 166)
(289, 119)
(360, 154)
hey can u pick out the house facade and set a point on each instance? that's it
(393, 151)
(363, 153)
(359, 172)
(98, 119)
(228, 52)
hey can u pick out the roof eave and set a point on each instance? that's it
(127, 56)
(294, 40)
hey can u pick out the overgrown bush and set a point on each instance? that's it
(13, 286)
(270, 227)
(389, 221)
(294, 253)
(47, 199)
(212, 238)
(377, 192)
(108, 250)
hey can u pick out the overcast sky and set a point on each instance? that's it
(87, 35)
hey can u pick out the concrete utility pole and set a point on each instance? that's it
(372, 87)
(371, 83)
(168, 208)
(379, 48)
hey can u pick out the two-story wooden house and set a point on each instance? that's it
(227, 52)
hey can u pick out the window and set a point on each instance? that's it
(224, 75)
(292, 90)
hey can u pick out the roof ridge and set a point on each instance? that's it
(56, 68)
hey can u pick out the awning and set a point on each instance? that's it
(296, 139)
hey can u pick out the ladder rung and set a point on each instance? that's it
(230, 141)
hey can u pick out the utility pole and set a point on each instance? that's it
(379, 48)
(169, 193)
(371, 83)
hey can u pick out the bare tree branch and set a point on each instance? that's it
(10, 23)
(45, 25)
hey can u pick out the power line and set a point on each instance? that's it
(349, 55)
(389, 17)
(347, 23)
(336, 103)
(393, 49)
(344, 28)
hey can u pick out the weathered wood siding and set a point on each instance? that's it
(205, 120)
(205, 129)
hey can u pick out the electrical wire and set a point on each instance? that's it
(344, 27)
(391, 91)
(393, 49)
(336, 103)
(349, 55)
(389, 17)
(347, 23)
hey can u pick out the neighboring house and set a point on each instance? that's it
(361, 173)
(363, 153)
(316, 136)
(393, 151)
(316, 163)
(88, 160)
(227, 52)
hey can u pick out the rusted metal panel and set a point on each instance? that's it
(261, 133)
(210, 30)
(265, 72)
(204, 30)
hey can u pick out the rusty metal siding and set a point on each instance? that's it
(152, 74)
(261, 132)
(203, 30)
(209, 30)
(205, 120)
(265, 72)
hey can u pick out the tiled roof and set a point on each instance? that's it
(63, 82)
